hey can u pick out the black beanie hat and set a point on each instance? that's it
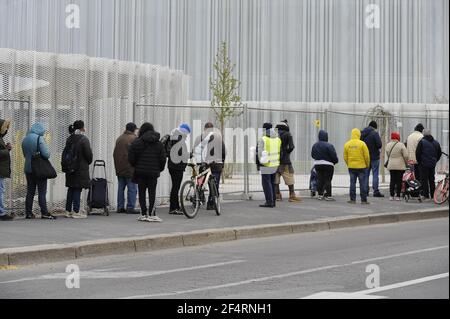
(373, 124)
(267, 126)
(78, 125)
(419, 128)
(131, 127)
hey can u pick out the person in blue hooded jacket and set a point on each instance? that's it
(31, 145)
(325, 157)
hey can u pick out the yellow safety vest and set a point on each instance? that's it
(273, 148)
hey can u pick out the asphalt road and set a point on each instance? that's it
(412, 258)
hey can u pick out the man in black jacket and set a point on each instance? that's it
(372, 139)
(147, 156)
(428, 154)
(286, 170)
(5, 166)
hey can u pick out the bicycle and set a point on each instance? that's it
(442, 189)
(192, 194)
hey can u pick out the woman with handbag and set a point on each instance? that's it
(37, 170)
(396, 161)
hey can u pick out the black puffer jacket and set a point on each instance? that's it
(287, 144)
(147, 156)
(80, 179)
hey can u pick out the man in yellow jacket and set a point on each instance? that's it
(357, 158)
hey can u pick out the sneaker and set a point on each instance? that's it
(266, 205)
(313, 194)
(279, 197)
(132, 211)
(47, 216)
(176, 212)
(378, 194)
(365, 203)
(121, 211)
(6, 218)
(143, 218)
(398, 199)
(30, 216)
(155, 219)
(329, 199)
(80, 215)
(351, 202)
(391, 198)
(320, 197)
(294, 199)
(68, 214)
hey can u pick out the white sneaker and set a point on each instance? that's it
(155, 219)
(391, 198)
(79, 215)
(68, 214)
(142, 218)
(329, 199)
(398, 199)
(320, 197)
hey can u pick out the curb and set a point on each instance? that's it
(116, 246)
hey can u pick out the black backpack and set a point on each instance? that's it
(69, 159)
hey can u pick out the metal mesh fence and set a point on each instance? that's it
(59, 89)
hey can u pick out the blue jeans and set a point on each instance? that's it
(41, 185)
(375, 168)
(2, 189)
(131, 193)
(358, 174)
(268, 184)
(73, 199)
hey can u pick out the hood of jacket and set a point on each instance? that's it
(429, 138)
(150, 137)
(323, 136)
(366, 132)
(356, 134)
(4, 126)
(38, 128)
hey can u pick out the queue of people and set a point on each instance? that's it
(140, 155)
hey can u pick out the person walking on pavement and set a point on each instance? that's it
(396, 160)
(325, 157)
(268, 151)
(124, 171)
(5, 166)
(428, 154)
(372, 139)
(209, 149)
(148, 158)
(411, 145)
(357, 158)
(79, 157)
(33, 143)
(286, 170)
(178, 156)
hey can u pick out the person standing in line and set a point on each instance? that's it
(178, 157)
(268, 153)
(411, 145)
(209, 150)
(148, 158)
(286, 170)
(428, 154)
(77, 156)
(372, 139)
(124, 171)
(5, 166)
(396, 159)
(325, 157)
(33, 143)
(357, 158)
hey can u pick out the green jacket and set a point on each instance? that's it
(5, 157)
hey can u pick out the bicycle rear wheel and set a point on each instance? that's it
(216, 198)
(189, 199)
(441, 192)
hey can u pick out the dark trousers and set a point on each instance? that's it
(427, 175)
(217, 179)
(41, 185)
(177, 178)
(324, 177)
(417, 172)
(395, 186)
(147, 184)
(355, 175)
(268, 184)
(73, 199)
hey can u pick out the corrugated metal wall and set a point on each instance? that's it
(285, 50)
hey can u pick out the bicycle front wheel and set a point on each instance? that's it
(441, 192)
(189, 199)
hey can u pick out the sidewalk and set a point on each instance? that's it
(20, 233)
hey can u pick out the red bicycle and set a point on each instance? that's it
(441, 192)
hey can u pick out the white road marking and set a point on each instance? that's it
(106, 274)
(280, 276)
(366, 294)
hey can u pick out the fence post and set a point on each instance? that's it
(246, 172)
